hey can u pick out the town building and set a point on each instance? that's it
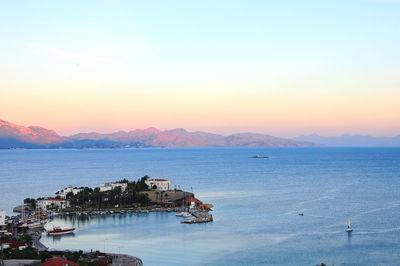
(2, 218)
(51, 203)
(111, 186)
(3, 223)
(63, 193)
(13, 244)
(159, 184)
(58, 261)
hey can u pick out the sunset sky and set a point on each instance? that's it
(284, 68)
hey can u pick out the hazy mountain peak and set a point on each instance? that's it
(32, 134)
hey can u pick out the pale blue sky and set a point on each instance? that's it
(250, 49)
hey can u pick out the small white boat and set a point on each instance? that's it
(349, 229)
(183, 214)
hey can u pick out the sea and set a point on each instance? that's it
(256, 201)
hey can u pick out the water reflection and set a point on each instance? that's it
(349, 238)
(57, 238)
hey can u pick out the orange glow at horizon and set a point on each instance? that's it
(69, 111)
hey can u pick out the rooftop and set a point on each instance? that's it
(52, 199)
(56, 261)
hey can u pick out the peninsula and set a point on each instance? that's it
(20, 235)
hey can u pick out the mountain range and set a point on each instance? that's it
(351, 140)
(17, 136)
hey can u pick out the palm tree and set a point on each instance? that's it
(162, 194)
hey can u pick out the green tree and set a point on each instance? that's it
(30, 202)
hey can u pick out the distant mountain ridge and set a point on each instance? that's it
(351, 140)
(152, 137)
(16, 136)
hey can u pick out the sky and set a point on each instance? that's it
(284, 68)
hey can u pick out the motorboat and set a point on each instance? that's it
(58, 231)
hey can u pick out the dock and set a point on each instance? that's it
(200, 217)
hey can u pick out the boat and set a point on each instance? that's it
(349, 229)
(58, 231)
(34, 225)
(301, 214)
(184, 214)
(259, 156)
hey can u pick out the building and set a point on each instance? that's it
(111, 186)
(13, 244)
(57, 261)
(161, 184)
(63, 193)
(51, 203)
(2, 218)
(3, 223)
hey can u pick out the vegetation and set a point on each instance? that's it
(30, 202)
(93, 198)
(30, 253)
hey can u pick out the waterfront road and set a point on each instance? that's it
(36, 235)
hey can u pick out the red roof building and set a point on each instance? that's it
(13, 244)
(57, 261)
(53, 199)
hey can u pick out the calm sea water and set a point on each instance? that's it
(256, 201)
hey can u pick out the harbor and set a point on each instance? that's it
(123, 198)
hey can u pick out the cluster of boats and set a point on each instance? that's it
(184, 214)
(91, 213)
(35, 224)
(32, 224)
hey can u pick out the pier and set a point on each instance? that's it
(200, 217)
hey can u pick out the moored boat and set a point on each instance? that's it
(184, 214)
(35, 225)
(58, 231)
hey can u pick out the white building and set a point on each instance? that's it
(2, 218)
(50, 203)
(161, 184)
(63, 193)
(110, 186)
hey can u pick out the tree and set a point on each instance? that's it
(30, 202)
(162, 194)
